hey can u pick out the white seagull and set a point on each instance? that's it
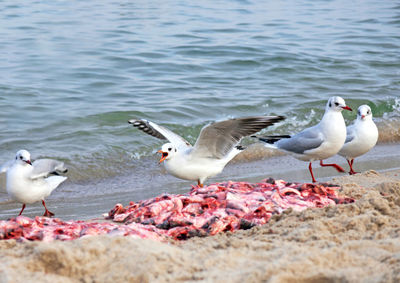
(216, 145)
(318, 142)
(30, 182)
(361, 136)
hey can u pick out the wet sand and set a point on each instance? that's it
(90, 199)
(358, 242)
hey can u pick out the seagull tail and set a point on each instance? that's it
(271, 139)
(239, 147)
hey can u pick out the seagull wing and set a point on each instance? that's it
(218, 139)
(160, 132)
(350, 134)
(44, 167)
(308, 139)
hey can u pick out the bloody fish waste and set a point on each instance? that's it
(220, 207)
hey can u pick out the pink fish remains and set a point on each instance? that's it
(204, 211)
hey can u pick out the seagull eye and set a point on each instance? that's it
(337, 103)
(169, 149)
(20, 157)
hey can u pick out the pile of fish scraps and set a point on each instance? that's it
(204, 211)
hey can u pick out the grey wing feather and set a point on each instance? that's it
(350, 134)
(218, 139)
(44, 167)
(301, 142)
(160, 132)
(4, 168)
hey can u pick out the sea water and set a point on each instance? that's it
(73, 72)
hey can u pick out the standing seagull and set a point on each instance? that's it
(214, 148)
(361, 136)
(29, 182)
(318, 142)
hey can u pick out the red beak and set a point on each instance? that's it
(362, 116)
(164, 155)
(29, 162)
(347, 108)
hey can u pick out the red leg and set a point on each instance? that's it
(352, 172)
(23, 207)
(312, 175)
(47, 213)
(337, 167)
(199, 184)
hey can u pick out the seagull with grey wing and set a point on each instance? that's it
(216, 145)
(29, 182)
(361, 136)
(318, 142)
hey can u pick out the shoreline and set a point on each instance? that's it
(90, 199)
(352, 242)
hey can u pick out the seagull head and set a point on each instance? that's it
(336, 103)
(364, 113)
(167, 150)
(23, 156)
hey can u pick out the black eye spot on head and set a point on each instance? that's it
(330, 104)
(169, 149)
(20, 157)
(337, 103)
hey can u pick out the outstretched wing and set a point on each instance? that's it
(44, 167)
(159, 132)
(218, 139)
(4, 168)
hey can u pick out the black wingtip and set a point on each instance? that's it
(134, 122)
(239, 147)
(271, 139)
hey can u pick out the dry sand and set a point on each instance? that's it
(358, 242)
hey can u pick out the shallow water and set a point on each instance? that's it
(74, 73)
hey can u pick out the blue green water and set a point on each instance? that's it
(73, 72)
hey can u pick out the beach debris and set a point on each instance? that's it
(203, 211)
(225, 206)
(48, 229)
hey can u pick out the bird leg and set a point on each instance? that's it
(199, 184)
(47, 213)
(337, 167)
(23, 207)
(312, 175)
(351, 172)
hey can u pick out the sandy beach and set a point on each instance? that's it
(356, 242)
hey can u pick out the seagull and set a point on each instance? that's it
(318, 142)
(216, 145)
(361, 136)
(29, 182)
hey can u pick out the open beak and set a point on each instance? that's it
(347, 108)
(362, 116)
(28, 161)
(164, 155)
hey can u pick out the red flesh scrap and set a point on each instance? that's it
(203, 211)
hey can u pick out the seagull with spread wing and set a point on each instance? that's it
(29, 182)
(216, 145)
